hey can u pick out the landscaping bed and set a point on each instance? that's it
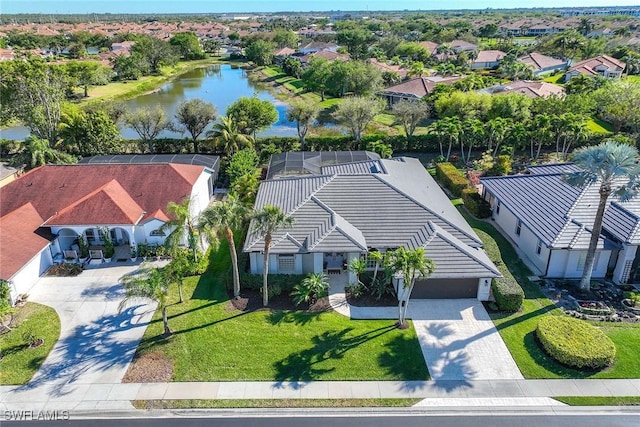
(273, 403)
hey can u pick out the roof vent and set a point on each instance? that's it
(374, 168)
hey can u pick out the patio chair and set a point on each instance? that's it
(96, 256)
(70, 256)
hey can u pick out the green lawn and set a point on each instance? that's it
(555, 79)
(273, 403)
(385, 119)
(20, 362)
(599, 400)
(517, 329)
(214, 342)
(596, 125)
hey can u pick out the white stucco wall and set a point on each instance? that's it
(200, 194)
(625, 260)
(565, 264)
(484, 289)
(28, 275)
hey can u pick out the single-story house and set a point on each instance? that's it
(550, 221)
(487, 59)
(325, 54)
(415, 89)
(347, 209)
(462, 46)
(542, 64)
(45, 212)
(532, 89)
(314, 47)
(602, 65)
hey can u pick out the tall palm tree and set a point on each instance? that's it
(182, 226)
(453, 128)
(614, 168)
(149, 283)
(229, 139)
(34, 152)
(410, 264)
(222, 218)
(267, 221)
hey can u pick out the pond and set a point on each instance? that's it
(220, 85)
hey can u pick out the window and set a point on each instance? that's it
(539, 247)
(286, 263)
(157, 232)
(518, 227)
(498, 209)
(90, 235)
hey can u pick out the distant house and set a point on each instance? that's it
(44, 212)
(314, 47)
(414, 89)
(532, 89)
(550, 221)
(462, 46)
(542, 64)
(6, 54)
(602, 65)
(487, 59)
(384, 67)
(122, 46)
(325, 54)
(346, 205)
(430, 46)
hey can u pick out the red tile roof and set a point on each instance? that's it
(20, 242)
(54, 188)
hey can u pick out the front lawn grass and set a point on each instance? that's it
(273, 403)
(555, 79)
(518, 329)
(596, 125)
(599, 400)
(212, 341)
(19, 362)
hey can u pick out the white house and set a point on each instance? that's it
(347, 204)
(602, 65)
(47, 210)
(487, 59)
(551, 222)
(542, 64)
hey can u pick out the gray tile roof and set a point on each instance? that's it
(562, 215)
(293, 163)
(352, 207)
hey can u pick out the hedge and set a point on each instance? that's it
(478, 207)
(283, 281)
(451, 178)
(507, 293)
(575, 343)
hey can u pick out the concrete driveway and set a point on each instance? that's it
(96, 342)
(460, 342)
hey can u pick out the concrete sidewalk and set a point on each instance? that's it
(437, 393)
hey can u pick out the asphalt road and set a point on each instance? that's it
(588, 420)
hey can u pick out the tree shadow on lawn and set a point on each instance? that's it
(303, 365)
(298, 318)
(394, 361)
(539, 312)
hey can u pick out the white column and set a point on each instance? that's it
(625, 258)
(484, 289)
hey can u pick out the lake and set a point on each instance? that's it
(220, 85)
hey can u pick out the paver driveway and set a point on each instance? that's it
(460, 342)
(96, 342)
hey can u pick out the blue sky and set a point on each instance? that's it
(220, 6)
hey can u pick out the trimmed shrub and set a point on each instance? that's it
(451, 178)
(478, 207)
(575, 343)
(508, 293)
(282, 282)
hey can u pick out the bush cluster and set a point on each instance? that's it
(575, 343)
(508, 293)
(478, 207)
(451, 178)
(280, 282)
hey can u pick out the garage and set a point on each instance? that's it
(445, 289)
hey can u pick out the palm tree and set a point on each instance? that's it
(377, 257)
(222, 218)
(34, 152)
(149, 283)
(182, 226)
(453, 128)
(267, 221)
(357, 266)
(311, 288)
(614, 167)
(410, 264)
(229, 138)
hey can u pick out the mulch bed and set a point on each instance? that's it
(251, 300)
(149, 368)
(367, 300)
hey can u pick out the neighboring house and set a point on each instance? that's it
(550, 221)
(325, 54)
(430, 46)
(314, 47)
(602, 65)
(345, 209)
(462, 46)
(532, 89)
(8, 173)
(384, 67)
(542, 64)
(124, 46)
(7, 54)
(487, 59)
(415, 89)
(43, 212)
